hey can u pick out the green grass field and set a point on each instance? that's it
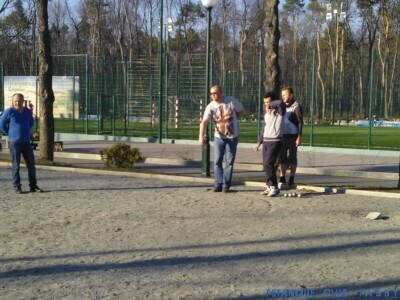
(324, 136)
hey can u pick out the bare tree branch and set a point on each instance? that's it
(5, 4)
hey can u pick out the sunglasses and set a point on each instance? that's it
(214, 93)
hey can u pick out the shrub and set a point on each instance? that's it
(120, 155)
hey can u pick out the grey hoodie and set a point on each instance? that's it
(272, 129)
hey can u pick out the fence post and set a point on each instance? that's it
(153, 114)
(312, 100)
(113, 115)
(205, 153)
(398, 182)
(101, 110)
(87, 96)
(259, 93)
(371, 80)
(211, 124)
(176, 111)
(98, 114)
(151, 99)
(166, 90)
(126, 96)
(73, 94)
(161, 83)
(201, 109)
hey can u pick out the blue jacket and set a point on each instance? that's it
(17, 125)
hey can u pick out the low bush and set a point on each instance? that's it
(120, 155)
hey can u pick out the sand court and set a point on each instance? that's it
(110, 237)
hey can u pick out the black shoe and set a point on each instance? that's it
(282, 179)
(36, 189)
(291, 181)
(217, 189)
(226, 189)
(18, 190)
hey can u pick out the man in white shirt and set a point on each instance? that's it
(225, 111)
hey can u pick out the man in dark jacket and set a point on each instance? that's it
(292, 130)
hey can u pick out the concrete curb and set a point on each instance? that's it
(121, 173)
(210, 180)
(318, 189)
(242, 166)
(372, 193)
(326, 171)
(238, 166)
(171, 161)
(347, 173)
(73, 155)
(88, 156)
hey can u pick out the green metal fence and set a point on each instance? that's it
(185, 95)
(136, 84)
(122, 98)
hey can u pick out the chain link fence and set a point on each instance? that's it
(95, 96)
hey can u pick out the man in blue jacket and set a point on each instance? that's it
(16, 122)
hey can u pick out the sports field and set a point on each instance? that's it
(325, 136)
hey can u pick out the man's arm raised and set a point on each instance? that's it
(239, 109)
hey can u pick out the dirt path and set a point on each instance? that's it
(105, 237)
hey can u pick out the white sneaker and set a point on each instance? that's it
(273, 192)
(266, 190)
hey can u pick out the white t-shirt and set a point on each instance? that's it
(225, 117)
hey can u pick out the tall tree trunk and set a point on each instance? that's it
(137, 30)
(353, 96)
(272, 36)
(294, 53)
(126, 8)
(341, 86)
(372, 27)
(392, 77)
(370, 82)
(120, 32)
(223, 40)
(33, 53)
(333, 72)
(382, 58)
(151, 31)
(46, 95)
(243, 37)
(361, 89)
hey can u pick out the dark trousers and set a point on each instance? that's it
(271, 152)
(24, 148)
(289, 150)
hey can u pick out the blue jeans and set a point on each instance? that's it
(24, 148)
(224, 148)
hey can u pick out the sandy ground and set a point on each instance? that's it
(107, 237)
